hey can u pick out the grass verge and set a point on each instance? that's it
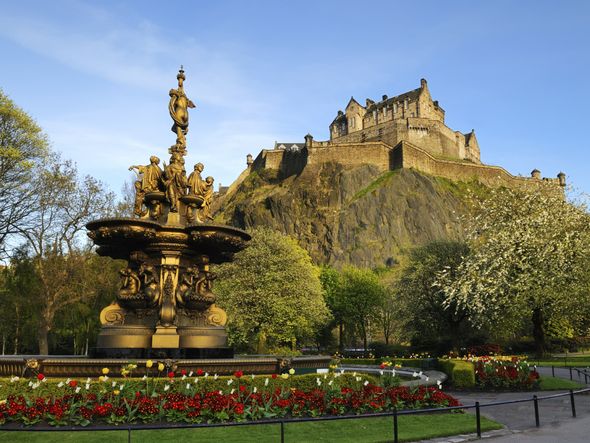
(411, 428)
(580, 362)
(555, 383)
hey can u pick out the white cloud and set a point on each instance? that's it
(141, 56)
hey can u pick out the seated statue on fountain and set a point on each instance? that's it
(203, 189)
(149, 181)
(194, 290)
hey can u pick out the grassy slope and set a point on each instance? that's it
(411, 428)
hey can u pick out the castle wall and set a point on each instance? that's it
(431, 135)
(269, 159)
(377, 154)
(406, 155)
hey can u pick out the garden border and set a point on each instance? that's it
(394, 415)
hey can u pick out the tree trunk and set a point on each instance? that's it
(539, 331)
(364, 332)
(261, 344)
(42, 337)
(341, 337)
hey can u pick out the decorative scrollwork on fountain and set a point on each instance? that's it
(112, 315)
(216, 316)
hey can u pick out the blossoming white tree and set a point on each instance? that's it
(530, 250)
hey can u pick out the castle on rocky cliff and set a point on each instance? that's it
(412, 117)
(405, 131)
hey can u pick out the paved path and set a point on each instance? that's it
(557, 423)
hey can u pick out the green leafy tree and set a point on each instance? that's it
(272, 293)
(22, 146)
(361, 294)
(55, 237)
(429, 321)
(529, 257)
(331, 283)
(19, 289)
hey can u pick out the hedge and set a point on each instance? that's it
(461, 373)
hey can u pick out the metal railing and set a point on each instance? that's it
(395, 414)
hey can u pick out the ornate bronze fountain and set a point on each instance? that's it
(165, 308)
(165, 305)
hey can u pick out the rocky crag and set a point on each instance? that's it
(350, 215)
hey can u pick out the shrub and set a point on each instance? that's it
(461, 373)
(380, 349)
(485, 349)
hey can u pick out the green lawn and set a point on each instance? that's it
(411, 428)
(550, 383)
(580, 362)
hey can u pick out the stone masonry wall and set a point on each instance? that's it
(376, 153)
(407, 156)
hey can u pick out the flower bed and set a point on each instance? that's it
(504, 373)
(191, 399)
(490, 372)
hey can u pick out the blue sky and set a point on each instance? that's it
(96, 75)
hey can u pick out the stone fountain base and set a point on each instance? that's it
(76, 366)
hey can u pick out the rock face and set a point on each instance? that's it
(344, 215)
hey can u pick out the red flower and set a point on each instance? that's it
(73, 383)
(238, 374)
(171, 374)
(183, 372)
(40, 376)
(274, 376)
(199, 372)
(239, 408)
(382, 365)
(242, 388)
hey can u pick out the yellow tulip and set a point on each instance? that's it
(160, 367)
(105, 371)
(291, 371)
(285, 376)
(116, 392)
(149, 364)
